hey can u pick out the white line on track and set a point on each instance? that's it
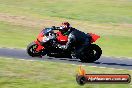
(32, 60)
(101, 67)
(75, 64)
(119, 57)
(21, 59)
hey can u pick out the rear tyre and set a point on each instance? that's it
(31, 50)
(91, 53)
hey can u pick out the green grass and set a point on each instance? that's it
(43, 74)
(16, 36)
(116, 45)
(100, 11)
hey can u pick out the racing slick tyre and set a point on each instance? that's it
(91, 53)
(31, 50)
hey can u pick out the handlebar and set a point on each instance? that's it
(55, 28)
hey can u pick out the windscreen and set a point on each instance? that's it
(46, 30)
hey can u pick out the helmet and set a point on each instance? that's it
(64, 27)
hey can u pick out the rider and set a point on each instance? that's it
(75, 38)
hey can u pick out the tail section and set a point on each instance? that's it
(94, 37)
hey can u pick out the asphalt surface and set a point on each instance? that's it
(110, 62)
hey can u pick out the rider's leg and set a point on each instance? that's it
(79, 49)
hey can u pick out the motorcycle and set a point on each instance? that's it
(37, 48)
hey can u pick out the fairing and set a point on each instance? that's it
(61, 38)
(94, 37)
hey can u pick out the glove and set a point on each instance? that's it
(53, 27)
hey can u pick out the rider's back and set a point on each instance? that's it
(79, 35)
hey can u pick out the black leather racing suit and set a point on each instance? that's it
(78, 39)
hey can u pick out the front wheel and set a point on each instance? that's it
(91, 53)
(31, 50)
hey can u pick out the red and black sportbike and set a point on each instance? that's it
(37, 48)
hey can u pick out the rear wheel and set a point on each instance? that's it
(31, 50)
(91, 54)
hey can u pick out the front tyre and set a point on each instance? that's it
(91, 54)
(31, 50)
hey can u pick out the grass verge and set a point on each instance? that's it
(43, 74)
(103, 11)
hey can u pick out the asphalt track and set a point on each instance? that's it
(110, 62)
